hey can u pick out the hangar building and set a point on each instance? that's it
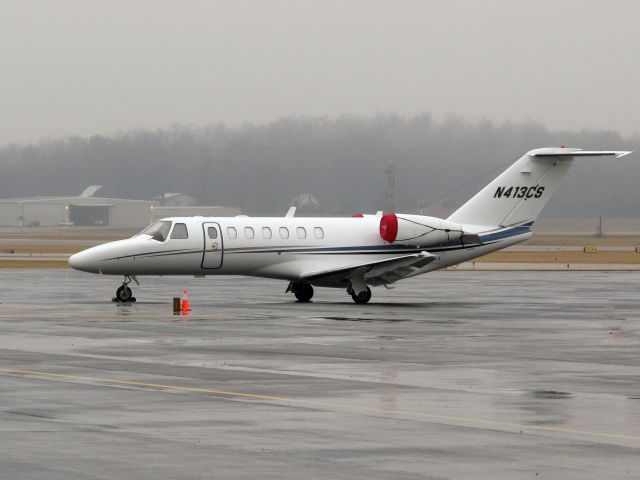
(89, 209)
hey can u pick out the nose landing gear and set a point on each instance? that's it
(124, 293)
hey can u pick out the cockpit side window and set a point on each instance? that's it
(180, 231)
(158, 231)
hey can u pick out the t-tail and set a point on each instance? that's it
(518, 195)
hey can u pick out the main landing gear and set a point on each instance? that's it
(361, 297)
(124, 293)
(302, 291)
(359, 290)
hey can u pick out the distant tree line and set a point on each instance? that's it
(341, 162)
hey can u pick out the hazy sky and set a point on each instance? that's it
(86, 67)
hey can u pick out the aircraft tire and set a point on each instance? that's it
(303, 292)
(363, 297)
(124, 294)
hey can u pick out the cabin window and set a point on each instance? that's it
(180, 231)
(318, 232)
(266, 232)
(284, 232)
(232, 232)
(158, 231)
(213, 233)
(248, 232)
(302, 233)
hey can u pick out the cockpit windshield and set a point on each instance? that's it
(158, 231)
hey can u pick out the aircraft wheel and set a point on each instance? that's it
(303, 292)
(124, 294)
(362, 297)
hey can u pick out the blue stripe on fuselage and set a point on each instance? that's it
(509, 232)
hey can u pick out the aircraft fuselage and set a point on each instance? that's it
(288, 248)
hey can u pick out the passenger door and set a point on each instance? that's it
(212, 252)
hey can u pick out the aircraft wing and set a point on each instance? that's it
(382, 272)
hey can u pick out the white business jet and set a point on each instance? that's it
(349, 253)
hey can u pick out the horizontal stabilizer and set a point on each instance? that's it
(563, 152)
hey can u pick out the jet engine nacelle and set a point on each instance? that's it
(418, 230)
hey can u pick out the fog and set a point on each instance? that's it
(72, 67)
(287, 97)
(341, 162)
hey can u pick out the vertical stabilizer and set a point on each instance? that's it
(519, 194)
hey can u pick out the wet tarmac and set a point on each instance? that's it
(454, 374)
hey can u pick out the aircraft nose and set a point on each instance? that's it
(83, 261)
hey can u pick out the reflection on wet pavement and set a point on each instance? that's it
(450, 375)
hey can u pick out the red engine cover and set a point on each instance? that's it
(389, 227)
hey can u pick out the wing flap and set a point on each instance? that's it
(375, 273)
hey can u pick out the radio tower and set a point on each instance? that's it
(391, 186)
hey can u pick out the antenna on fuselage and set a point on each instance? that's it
(291, 212)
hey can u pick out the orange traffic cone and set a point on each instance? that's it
(185, 302)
